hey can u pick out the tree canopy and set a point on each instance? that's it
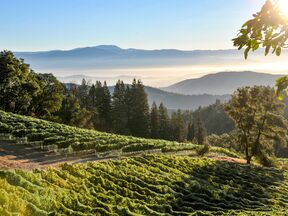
(259, 116)
(26, 92)
(268, 29)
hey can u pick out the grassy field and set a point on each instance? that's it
(146, 185)
(65, 139)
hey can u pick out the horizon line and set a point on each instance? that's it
(129, 48)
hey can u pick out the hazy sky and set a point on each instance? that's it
(149, 24)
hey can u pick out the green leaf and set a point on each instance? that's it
(246, 52)
(280, 96)
(278, 51)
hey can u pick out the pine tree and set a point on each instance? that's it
(82, 93)
(119, 109)
(154, 121)
(98, 94)
(200, 131)
(190, 132)
(92, 97)
(103, 107)
(106, 112)
(71, 112)
(139, 110)
(164, 123)
(178, 126)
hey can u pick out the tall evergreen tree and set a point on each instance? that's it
(103, 107)
(106, 108)
(92, 96)
(154, 121)
(164, 123)
(178, 126)
(200, 131)
(119, 109)
(82, 93)
(139, 110)
(191, 132)
(71, 112)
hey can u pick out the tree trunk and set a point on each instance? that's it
(248, 159)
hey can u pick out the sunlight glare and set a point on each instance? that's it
(283, 6)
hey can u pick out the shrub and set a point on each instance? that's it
(226, 140)
(267, 161)
(4, 128)
(203, 150)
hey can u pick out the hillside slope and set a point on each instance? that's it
(181, 101)
(148, 185)
(222, 83)
(67, 140)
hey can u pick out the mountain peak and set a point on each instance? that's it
(108, 47)
(102, 47)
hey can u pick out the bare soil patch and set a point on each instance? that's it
(230, 159)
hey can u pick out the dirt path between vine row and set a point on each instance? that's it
(23, 156)
(230, 159)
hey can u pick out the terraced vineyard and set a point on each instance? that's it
(66, 139)
(147, 185)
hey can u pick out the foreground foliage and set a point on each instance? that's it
(267, 28)
(148, 185)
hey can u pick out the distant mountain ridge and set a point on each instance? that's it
(163, 67)
(222, 83)
(115, 51)
(114, 57)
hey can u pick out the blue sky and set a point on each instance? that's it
(149, 24)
